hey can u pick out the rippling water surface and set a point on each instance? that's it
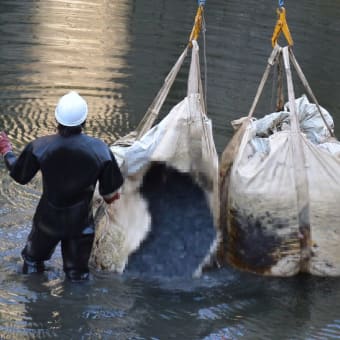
(116, 54)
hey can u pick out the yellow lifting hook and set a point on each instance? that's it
(281, 26)
(197, 25)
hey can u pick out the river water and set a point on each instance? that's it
(116, 54)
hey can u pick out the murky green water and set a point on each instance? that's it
(116, 54)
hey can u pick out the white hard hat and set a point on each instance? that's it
(71, 109)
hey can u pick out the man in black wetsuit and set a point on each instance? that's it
(71, 163)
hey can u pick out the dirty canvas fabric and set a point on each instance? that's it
(282, 188)
(180, 152)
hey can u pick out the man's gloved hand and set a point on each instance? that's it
(5, 144)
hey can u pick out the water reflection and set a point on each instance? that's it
(246, 307)
(78, 45)
(84, 45)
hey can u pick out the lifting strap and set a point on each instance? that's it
(153, 111)
(156, 105)
(308, 89)
(271, 62)
(300, 173)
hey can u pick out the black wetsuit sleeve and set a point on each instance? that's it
(111, 178)
(10, 159)
(23, 168)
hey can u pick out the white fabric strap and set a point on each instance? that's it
(308, 89)
(153, 110)
(300, 171)
(271, 62)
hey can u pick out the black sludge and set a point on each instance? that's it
(182, 229)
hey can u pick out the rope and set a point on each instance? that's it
(277, 94)
(280, 95)
(205, 63)
(274, 84)
(271, 62)
(153, 110)
(308, 88)
(295, 126)
(299, 168)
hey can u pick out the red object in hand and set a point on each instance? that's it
(5, 144)
(110, 200)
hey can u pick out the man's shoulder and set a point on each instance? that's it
(94, 141)
(43, 140)
(98, 147)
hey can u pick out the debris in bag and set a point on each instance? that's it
(263, 228)
(120, 228)
(182, 228)
(280, 184)
(164, 225)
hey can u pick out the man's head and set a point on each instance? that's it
(71, 110)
